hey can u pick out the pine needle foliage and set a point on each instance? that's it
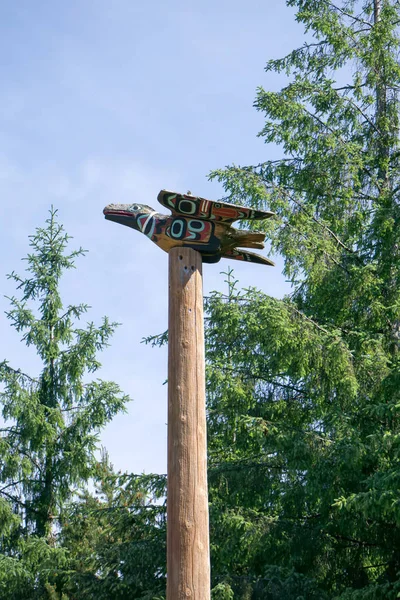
(51, 421)
(116, 537)
(304, 393)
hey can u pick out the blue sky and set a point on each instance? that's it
(111, 102)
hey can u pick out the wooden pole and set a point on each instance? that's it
(188, 559)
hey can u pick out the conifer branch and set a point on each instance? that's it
(345, 538)
(318, 222)
(362, 113)
(347, 14)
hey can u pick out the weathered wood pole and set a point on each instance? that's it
(188, 558)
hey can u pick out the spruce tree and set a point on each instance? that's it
(52, 420)
(116, 537)
(304, 393)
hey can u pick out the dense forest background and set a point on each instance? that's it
(303, 393)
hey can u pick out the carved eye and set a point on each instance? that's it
(135, 207)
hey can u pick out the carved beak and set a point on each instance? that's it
(119, 214)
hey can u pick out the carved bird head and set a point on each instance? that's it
(129, 214)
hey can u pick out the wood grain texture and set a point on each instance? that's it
(188, 560)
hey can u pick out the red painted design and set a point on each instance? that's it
(220, 213)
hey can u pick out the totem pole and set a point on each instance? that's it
(198, 231)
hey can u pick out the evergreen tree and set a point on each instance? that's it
(304, 393)
(52, 421)
(116, 537)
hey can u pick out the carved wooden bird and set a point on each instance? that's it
(203, 225)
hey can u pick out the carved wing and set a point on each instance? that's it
(200, 208)
(238, 254)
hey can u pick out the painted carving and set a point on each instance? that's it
(201, 224)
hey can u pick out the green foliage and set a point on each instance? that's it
(116, 537)
(287, 437)
(304, 393)
(222, 591)
(32, 572)
(51, 422)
